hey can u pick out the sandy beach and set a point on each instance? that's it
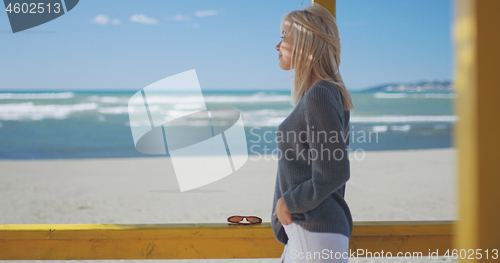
(385, 185)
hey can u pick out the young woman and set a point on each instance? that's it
(310, 214)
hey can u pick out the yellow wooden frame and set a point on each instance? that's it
(477, 74)
(197, 241)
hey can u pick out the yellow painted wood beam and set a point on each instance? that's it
(477, 76)
(197, 241)
(330, 5)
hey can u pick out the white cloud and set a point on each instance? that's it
(104, 20)
(206, 13)
(143, 19)
(180, 17)
(101, 19)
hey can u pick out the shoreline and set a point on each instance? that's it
(158, 157)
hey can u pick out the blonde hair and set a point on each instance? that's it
(315, 50)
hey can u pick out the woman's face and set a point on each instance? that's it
(284, 47)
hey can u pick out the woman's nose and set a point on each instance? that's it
(278, 46)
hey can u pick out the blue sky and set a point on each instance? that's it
(129, 44)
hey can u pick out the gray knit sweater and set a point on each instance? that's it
(312, 183)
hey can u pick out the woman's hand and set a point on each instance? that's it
(282, 212)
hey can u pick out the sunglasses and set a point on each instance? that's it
(251, 219)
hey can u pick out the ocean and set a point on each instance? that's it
(90, 124)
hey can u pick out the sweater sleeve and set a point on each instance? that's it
(329, 157)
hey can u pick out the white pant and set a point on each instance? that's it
(312, 247)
